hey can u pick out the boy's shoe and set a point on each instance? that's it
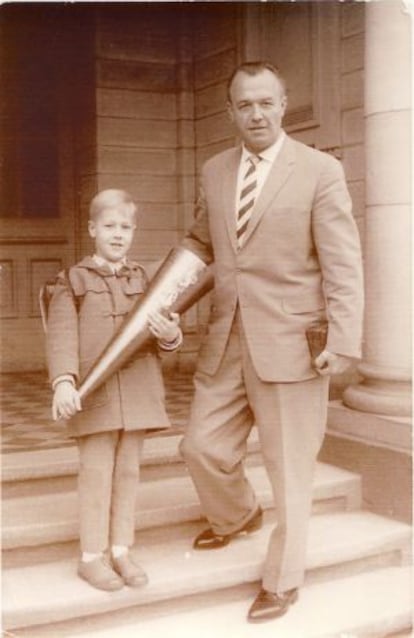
(132, 574)
(99, 574)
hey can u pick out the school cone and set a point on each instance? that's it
(181, 280)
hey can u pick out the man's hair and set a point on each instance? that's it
(254, 68)
(110, 198)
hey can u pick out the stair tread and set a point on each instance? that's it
(64, 461)
(30, 520)
(358, 605)
(51, 591)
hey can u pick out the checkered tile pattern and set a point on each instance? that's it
(26, 421)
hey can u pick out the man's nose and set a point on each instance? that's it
(256, 112)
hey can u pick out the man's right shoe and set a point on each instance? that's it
(100, 574)
(208, 539)
(268, 605)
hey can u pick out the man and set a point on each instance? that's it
(275, 216)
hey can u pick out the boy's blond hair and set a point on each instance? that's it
(110, 198)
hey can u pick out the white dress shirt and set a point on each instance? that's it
(263, 167)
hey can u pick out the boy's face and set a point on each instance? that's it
(113, 231)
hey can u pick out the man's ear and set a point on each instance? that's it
(283, 103)
(230, 113)
(91, 228)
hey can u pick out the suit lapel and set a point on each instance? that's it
(229, 185)
(278, 174)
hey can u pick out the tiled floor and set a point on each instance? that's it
(26, 421)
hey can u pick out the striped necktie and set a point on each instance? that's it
(247, 197)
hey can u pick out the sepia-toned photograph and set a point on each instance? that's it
(206, 281)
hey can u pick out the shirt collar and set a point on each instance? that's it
(270, 153)
(114, 267)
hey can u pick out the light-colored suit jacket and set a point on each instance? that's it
(300, 262)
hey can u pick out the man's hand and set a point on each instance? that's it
(164, 328)
(329, 363)
(66, 401)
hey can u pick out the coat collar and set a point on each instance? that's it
(278, 174)
(229, 185)
(129, 268)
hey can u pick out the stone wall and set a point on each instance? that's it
(215, 53)
(352, 101)
(137, 119)
(351, 78)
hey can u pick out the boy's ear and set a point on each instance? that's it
(91, 228)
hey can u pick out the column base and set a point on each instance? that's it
(390, 398)
(379, 449)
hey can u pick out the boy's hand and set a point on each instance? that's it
(66, 401)
(164, 328)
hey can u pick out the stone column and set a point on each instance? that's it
(386, 364)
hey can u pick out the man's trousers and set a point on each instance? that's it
(291, 419)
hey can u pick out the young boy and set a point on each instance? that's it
(86, 309)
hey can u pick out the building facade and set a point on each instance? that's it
(134, 96)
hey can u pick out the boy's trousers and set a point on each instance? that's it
(107, 488)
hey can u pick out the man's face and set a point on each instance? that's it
(256, 107)
(113, 232)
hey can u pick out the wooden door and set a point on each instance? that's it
(37, 198)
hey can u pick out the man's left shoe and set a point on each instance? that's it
(208, 539)
(268, 605)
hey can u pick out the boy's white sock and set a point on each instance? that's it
(88, 557)
(119, 550)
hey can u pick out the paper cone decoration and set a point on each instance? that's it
(181, 280)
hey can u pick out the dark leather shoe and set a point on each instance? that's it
(210, 540)
(268, 605)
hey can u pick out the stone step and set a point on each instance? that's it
(339, 544)
(52, 518)
(55, 470)
(358, 606)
